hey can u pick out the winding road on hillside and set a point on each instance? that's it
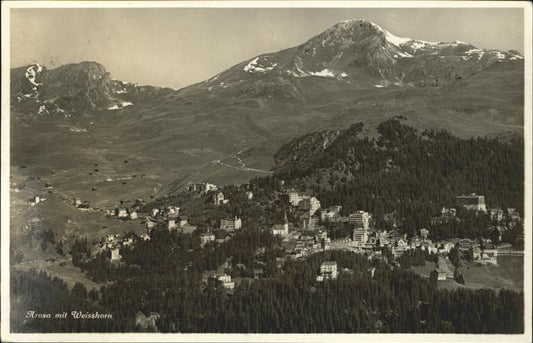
(241, 165)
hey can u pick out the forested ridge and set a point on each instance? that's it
(413, 173)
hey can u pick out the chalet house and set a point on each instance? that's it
(465, 244)
(496, 214)
(280, 229)
(115, 254)
(441, 275)
(424, 234)
(206, 238)
(448, 212)
(400, 247)
(249, 195)
(173, 211)
(155, 212)
(445, 247)
(171, 224)
(133, 215)
(394, 236)
(331, 214)
(218, 198)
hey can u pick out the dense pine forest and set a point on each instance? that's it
(393, 300)
(400, 171)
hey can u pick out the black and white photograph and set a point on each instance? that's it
(266, 171)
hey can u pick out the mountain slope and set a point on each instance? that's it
(227, 128)
(73, 89)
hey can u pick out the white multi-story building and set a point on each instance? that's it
(330, 213)
(310, 204)
(472, 202)
(360, 236)
(328, 270)
(231, 224)
(225, 281)
(202, 187)
(295, 198)
(360, 219)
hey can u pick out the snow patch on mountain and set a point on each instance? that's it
(323, 73)
(395, 39)
(516, 57)
(253, 67)
(417, 45)
(121, 106)
(32, 72)
(403, 54)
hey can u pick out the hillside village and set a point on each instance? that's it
(300, 222)
(309, 232)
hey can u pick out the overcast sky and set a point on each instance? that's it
(178, 47)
